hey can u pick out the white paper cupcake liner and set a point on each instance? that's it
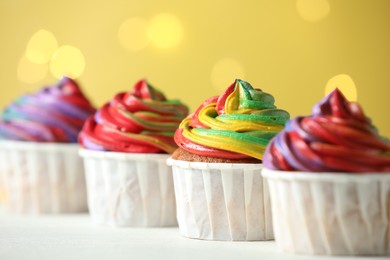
(222, 201)
(332, 214)
(3, 169)
(42, 177)
(134, 190)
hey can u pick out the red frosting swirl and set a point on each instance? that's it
(338, 137)
(141, 121)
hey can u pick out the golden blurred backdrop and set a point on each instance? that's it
(298, 50)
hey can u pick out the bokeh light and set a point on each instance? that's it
(345, 84)
(165, 31)
(41, 47)
(69, 61)
(133, 34)
(225, 72)
(313, 10)
(29, 72)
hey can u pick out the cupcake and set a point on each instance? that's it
(329, 180)
(125, 146)
(220, 193)
(40, 168)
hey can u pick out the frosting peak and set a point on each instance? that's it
(337, 137)
(237, 124)
(139, 121)
(144, 90)
(337, 106)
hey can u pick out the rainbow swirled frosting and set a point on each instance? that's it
(140, 121)
(236, 125)
(337, 137)
(53, 114)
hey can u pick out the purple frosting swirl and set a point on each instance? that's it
(53, 114)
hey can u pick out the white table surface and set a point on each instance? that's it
(75, 237)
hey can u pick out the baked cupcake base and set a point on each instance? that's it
(182, 155)
(222, 201)
(133, 190)
(330, 213)
(42, 177)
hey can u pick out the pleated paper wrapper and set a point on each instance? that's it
(129, 190)
(331, 214)
(3, 169)
(41, 178)
(222, 201)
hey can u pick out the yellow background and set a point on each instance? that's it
(278, 48)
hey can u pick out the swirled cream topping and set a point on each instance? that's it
(53, 114)
(237, 124)
(337, 137)
(140, 121)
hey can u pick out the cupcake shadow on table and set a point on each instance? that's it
(125, 148)
(40, 169)
(329, 179)
(220, 192)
